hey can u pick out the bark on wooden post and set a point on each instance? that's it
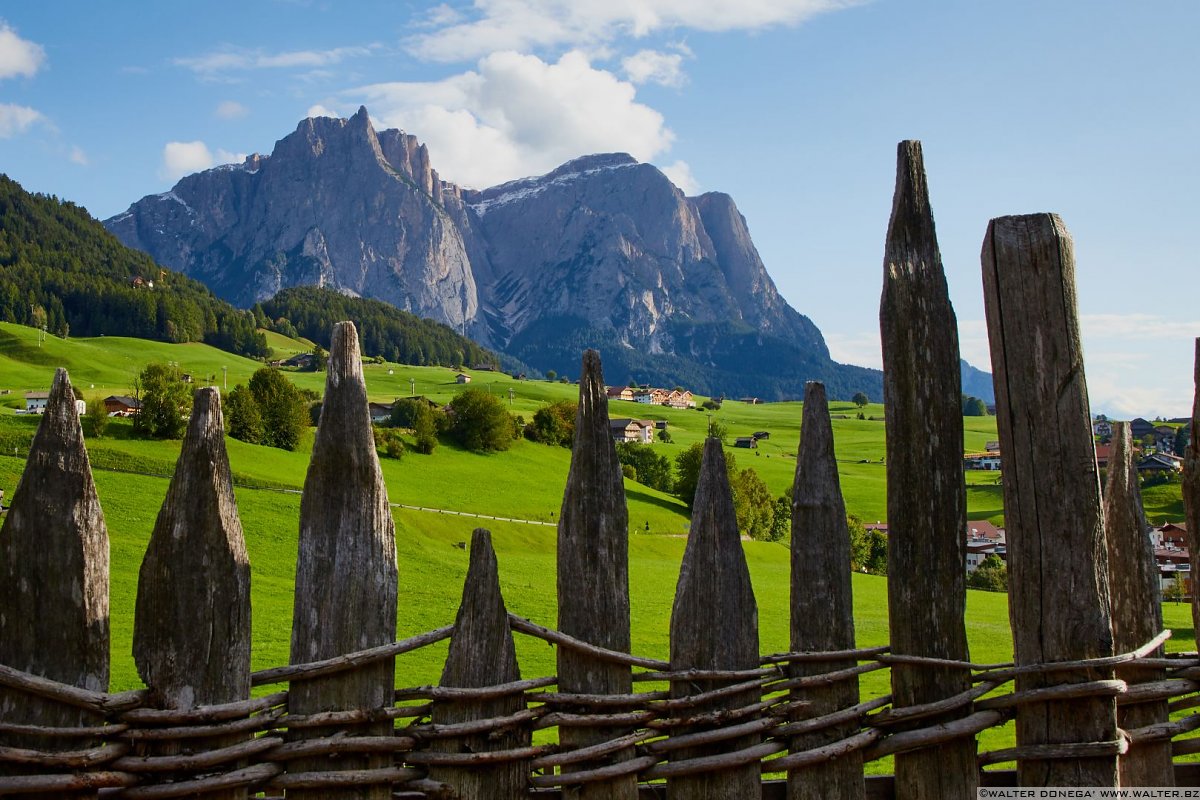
(822, 603)
(714, 626)
(927, 507)
(191, 635)
(482, 654)
(1191, 495)
(346, 571)
(1057, 566)
(54, 579)
(593, 573)
(1136, 610)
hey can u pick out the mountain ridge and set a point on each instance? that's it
(602, 251)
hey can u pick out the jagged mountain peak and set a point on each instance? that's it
(603, 251)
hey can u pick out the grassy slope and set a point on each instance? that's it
(525, 482)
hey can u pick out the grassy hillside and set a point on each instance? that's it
(525, 482)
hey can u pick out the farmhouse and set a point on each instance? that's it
(462, 377)
(35, 402)
(121, 405)
(619, 393)
(381, 412)
(677, 398)
(984, 461)
(1102, 427)
(1159, 463)
(631, 430)
(1140, 428)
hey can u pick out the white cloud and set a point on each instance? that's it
(531, 24)
(680, 174)
(77, 156)
(16, 119)
(18, 56)
(231, 109)
(861, 349)
(184, 158)
(518, 115)
(652, 66)
(228, 157)
(319, 110)
(211, 64)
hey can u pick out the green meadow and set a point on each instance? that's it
(525, 483)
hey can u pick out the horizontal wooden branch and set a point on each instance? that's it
(817, 755)
(828, 678)
(771, 673)
(1072, 666)
(213, 713)
(330, 666)
(344, 778)
(937, 734)
(591, 752)
(1156, 690)
(897, 716)
(563, 640)
(204, 760)
(474, 693)
(249, 776)
(860, 654)
(563, 720)
(259, 722)
(724, 761)
(607, 773)
(759, 726)
(1162, 731)
(69, 759)
(339, 744)
(353, 716)
(1055, 752)
(51, 732)
(431, 731)
(843, 716)
(22, 784)
(1067, 691)
(635, 699)
(434, 758)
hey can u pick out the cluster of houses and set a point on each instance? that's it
(115, 405)
(675, 398)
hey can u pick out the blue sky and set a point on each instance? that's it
(1086, 108)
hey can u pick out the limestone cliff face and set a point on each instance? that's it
(603, 251)
(334, 205)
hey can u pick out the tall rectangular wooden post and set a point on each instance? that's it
(593, 573)
(822, 603)
(1191, 494)
(1058, 569)
(346, 571)
(54, 579)
(927, 505)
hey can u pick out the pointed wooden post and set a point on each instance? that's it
(346, 570)
(593, 573)
(1191, 495)
(482, 654)
(195, 577)
(1058, 570)
(822, 603)
(54, 579)
(714, 626)
(1136, 610)
(927, 506)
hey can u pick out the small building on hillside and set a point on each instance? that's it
(1102, 427)
(753, 401)
(301, 361)
(631, 430)
(1173, 534)
(760, 435)
(121, 405)
(462, 377)
(1140, 428)
(619, 393)
(1103, 455)
(35, 402)
(381, 412)
(748, 442)
(680, 398)
(1158, 463)
(983, 461)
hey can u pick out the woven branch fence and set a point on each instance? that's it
(1090, 689)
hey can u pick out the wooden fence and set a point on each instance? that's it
(1089, 688)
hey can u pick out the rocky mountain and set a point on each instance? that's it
(603, 251)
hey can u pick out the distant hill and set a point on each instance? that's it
(383, 329)
(61, 269)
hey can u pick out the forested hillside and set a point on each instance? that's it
(61, 269)
(383, 329)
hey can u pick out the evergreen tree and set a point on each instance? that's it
(243, 416)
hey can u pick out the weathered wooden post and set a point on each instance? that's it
(195, 577)
(822, 603)
(482, 654)
(1058, 570)
(714, 626)
(1136, 610)
(593, 574)
(346, 570)
(926, 504)
(1191, 495)
(54, 579)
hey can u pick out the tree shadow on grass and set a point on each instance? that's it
(669, 504)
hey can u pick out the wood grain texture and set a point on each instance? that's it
(593, 572)
(1136, 599)
(927, 507)
(1058, 566)
(346, 578)
(191, 634)
(822, 613)
(714, 626)
(1191, 494)
(54, 579)
(482, 654)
